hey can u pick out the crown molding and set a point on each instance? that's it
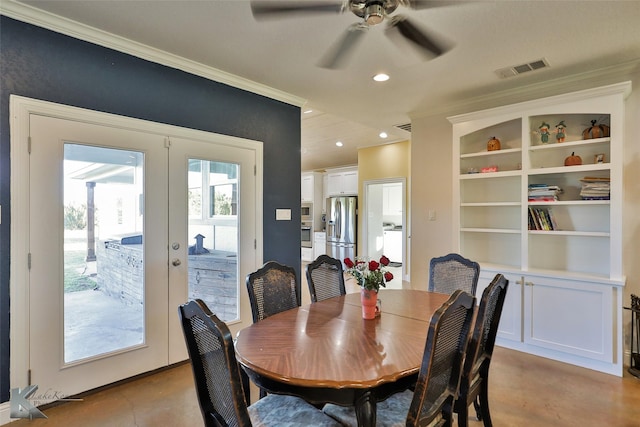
(572, 83)
(40, 18)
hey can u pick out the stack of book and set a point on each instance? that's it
(543, 192)
(542, 219)
(595, 188)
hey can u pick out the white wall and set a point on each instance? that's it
(431, 186)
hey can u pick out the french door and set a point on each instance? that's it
(124, 225)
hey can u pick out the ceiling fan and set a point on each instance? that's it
(372, 12)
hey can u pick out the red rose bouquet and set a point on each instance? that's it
(369, 274)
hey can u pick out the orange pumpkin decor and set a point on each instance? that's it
(573, 160)
(595, 131)
(493, 144)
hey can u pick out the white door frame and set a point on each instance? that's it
(20, 109)
(365, 224)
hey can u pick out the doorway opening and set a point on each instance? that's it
(384, 225)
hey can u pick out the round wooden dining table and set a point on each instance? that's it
(325, 352)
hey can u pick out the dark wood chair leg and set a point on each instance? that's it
(244, 378)
(463, 415)
(476, 406)
(484, 402)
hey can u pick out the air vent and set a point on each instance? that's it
(520, 69)
(405, 127)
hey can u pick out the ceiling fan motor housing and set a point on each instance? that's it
(373, 11)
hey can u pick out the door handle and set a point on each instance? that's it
(176, 262)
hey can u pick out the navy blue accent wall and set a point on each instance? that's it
(41, 64)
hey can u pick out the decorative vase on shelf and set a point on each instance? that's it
(369, 299)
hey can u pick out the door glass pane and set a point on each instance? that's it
(103, 250)
(213, 235)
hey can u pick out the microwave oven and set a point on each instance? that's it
(306, 212)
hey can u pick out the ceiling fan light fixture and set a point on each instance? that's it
(374, 14)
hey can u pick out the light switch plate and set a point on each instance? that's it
(283, 214)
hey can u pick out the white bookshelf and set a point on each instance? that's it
(580, 261)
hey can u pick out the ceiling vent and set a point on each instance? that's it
(520, 69)
(405, 127)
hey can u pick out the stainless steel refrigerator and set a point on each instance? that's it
(342, 224)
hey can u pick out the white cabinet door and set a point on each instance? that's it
(392, 199)
(350, 183)
(568, 316)
(319, 244)
(342, 183)
(393, 245)
(306, 193)
(334, 184)
(306, 254)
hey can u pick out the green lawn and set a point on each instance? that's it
(76, 276)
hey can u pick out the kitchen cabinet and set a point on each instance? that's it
(306, 188)
(306, 254)
(392, 199)
(342, 182)
(319, 244)
(392, 241)
(311, 192)
(563, 253)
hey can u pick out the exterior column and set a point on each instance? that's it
(91, 223)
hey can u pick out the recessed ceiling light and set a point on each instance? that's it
(383, 135)
(339, 144)
(381, 77)
(307, 111)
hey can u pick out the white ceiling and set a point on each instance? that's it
(573, 36)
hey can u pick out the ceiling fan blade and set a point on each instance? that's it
(428, 44)
(337, 54)
(266, 9)
(430, 4)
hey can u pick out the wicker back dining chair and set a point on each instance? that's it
(451, 272)
(273, 288)
(221, 392)
(431, 402)
(474, 383)
(325, 278)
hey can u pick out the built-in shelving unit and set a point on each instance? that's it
(571, 251)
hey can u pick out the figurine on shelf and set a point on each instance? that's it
(543, 131)
(561, 131)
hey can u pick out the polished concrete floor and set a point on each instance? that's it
(524, 391)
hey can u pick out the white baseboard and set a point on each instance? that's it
(4, 414)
